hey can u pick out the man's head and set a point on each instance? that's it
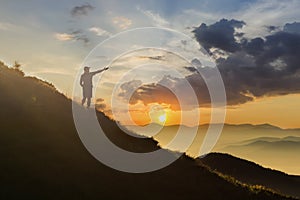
(86, 69)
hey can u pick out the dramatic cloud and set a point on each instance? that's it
(255, 67)
(134, 91)
(165, 91)
(220, 35)
(292, 28)
(78, 11)
(252, 67)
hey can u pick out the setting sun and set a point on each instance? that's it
(162, 118)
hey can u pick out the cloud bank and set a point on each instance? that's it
(250, 67)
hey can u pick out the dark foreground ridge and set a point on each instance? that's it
(252, 173)
(42, 156)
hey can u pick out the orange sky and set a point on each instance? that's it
(282, 111)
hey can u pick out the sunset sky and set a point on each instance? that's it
(254, 44)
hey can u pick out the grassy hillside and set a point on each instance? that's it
(251, 173)
(43, 158)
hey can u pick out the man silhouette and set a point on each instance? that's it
(86, 83)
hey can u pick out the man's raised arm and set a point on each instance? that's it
(99, 71)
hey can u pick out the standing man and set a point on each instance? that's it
(86, 83)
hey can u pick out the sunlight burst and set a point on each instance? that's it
(162, 118)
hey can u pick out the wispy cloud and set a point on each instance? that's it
(99, 31)
(83, 38)
(64, 36)
(6, 26)
(264, 13)
(122, 22)
(78, 11)
(75, 35)
(155, 17)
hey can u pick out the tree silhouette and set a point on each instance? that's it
(17, 67)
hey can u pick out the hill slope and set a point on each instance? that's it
(251, 173)
(43, 158)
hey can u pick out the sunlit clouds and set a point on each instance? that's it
(64, 36)
(122, 22)
(99, 31)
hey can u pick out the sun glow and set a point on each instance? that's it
(162, 118)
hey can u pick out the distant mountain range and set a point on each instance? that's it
(42, 157)
(265, 144)
(279, 153)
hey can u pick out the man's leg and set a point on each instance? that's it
(83, 100)
(88, 102)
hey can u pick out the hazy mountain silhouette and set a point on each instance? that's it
(271, 139)
(251, 142)
(270, 152)
(42, 156)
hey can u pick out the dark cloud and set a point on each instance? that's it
(256, 67)
(162, 92)
(83, 38)
(191, 68)
(82, 10)
(128, 88)
(196, 65)
(252, 67)
(254, 46)
(183, 42)
(292, 28)
(155, 93)
(239, 35)
(153, 57)
(79, 35)
(220, 35)
(272, 28)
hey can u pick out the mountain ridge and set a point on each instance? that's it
(263, 125)
(252, 173)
